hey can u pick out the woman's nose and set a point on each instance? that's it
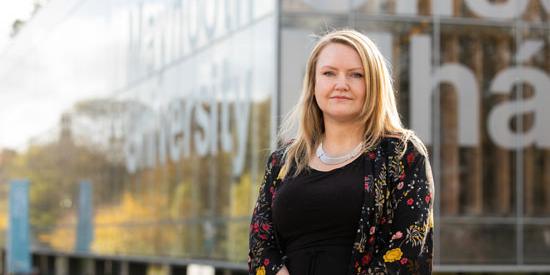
(341, 83)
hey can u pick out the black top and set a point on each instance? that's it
(394, 234)
(316, 216)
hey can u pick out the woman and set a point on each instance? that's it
(353, 192)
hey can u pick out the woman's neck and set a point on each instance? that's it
(341, 137)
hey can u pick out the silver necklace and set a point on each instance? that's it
(330, 160)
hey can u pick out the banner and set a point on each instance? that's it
(84, 231)
(18, 245)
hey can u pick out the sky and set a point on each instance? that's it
(10, 10)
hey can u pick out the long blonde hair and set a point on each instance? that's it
(379, 113)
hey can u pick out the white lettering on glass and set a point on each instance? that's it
(410, 7)
(500, 116)
(153, 137)
(509, 9)
(423, 81)
(160, 36)
(501, 10)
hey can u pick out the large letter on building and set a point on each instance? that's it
(423, 82)
(507, 10)
(410, 7)
(500, 115)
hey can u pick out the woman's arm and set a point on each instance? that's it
(265, 256)
(409, 248)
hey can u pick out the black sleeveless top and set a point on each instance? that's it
(316, 215)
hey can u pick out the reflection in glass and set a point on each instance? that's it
(480, 126)
(169, 117)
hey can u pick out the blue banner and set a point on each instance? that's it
(84, 230)
(18, 245)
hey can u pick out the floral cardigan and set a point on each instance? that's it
(395, 230)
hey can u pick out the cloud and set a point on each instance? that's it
(9, 12)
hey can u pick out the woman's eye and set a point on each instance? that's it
(329, 73)
(357, 75)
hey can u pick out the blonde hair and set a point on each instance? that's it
(379, 113)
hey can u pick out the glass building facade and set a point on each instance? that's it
(169, 109)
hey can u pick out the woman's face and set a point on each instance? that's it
(339, 83)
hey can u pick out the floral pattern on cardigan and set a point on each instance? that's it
(395, 230)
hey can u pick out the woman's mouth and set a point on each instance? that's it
(340, 97)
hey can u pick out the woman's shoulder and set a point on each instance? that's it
(398, 145)
(390, 142)
(277, 156)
